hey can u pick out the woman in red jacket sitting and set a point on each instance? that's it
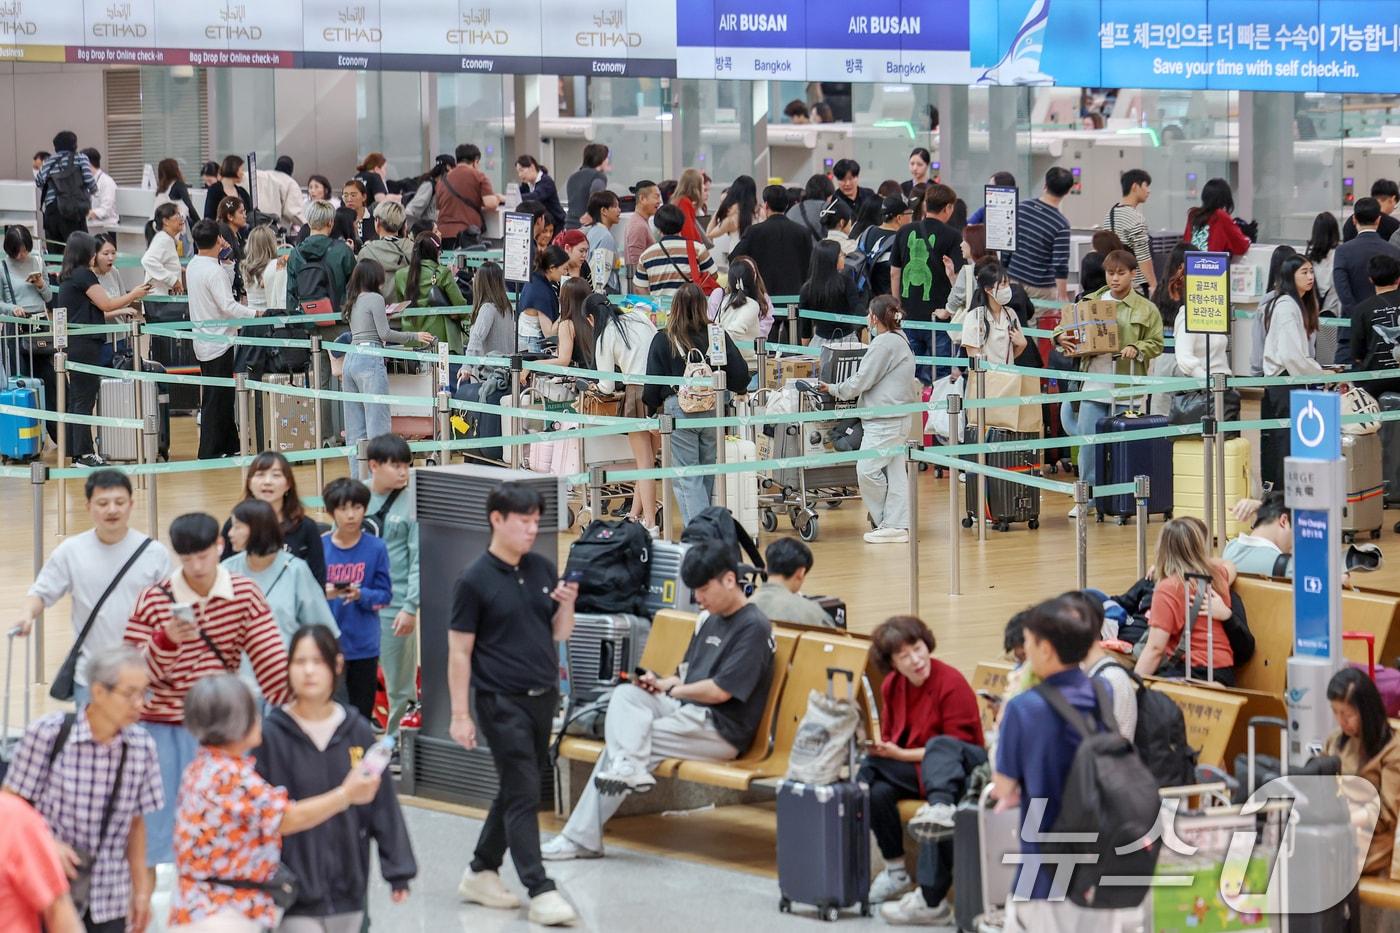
(930, 741)
(1212, 225)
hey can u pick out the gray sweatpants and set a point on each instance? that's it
(644, 728)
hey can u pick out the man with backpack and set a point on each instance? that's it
(318, 271)
(1055, 740)
(921, 277)
(877, 243)
(67, 184)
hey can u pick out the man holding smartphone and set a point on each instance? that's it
(710, 709)
(509, 610)
(210, 288)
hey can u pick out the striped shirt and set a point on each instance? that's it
(665, 267)
(236, 620)
(1042, 245)
(72, 796)
(1131, 228)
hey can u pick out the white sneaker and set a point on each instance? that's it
(562, 849)
(485, 888)
(887, 536)
(911, 911)
(932, 821)
(551, 910)
(890, 884)
(623, 776)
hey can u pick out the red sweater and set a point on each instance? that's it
(943, 705)
(238, 625)
(1225, 235)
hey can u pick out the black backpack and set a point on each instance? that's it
(314, 281)
(615, 560)
(285, 360)
(1160, 736)
(1110, 799)
(717, 523)
(71, 196)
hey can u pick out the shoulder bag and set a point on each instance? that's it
(64, 680)
(470, 229)
(34, 346)
(1024, 419)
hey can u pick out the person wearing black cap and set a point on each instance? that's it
(877, 243)
(638, 234)
(780, 247)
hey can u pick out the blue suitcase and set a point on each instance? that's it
(20, 436)
(824, 846)
(1121, 462)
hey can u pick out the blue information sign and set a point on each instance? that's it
(1314, 435)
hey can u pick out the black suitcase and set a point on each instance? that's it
(1007, 502)
(481, 423)
(824, 846)
(967, 869)
(1390, 450)
(982, 874)
(175, 354)
(1123, 461)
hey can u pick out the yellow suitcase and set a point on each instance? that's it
(1188, 480)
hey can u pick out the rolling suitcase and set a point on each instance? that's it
(741, 489)
(602, 652)
(824, 844)
(1188, 479)
(665, 588)
(982, 878)
(117, 399)
(289, 421)
(1390, 449)
(1120, 462)
(9, 741)
(480, 423)
(1364, 511)
(1007, 502)
(21, 436)
(413, 422)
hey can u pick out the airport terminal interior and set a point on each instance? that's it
(703, 854)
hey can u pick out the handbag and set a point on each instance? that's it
(840, 358)
(63, 681)
(1191, 406)
(1023, 419)
(592, 402)
(283, 887)
(34, 346)
(708, 281)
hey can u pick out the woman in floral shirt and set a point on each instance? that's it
(231, 822)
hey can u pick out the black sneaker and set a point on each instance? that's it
(91, 461)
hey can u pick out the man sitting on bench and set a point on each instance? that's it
(709, 710)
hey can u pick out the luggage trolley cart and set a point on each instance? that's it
(798, 490)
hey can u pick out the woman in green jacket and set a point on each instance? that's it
(1139, 342)
(415, 284)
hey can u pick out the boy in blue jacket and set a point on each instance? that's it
(358, 585)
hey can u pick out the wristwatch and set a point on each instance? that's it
(669, 689)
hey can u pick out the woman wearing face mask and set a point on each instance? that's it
(991, 330)
(309, 747)
(930, 741)
(271, 480)
(1139, 341)
(885, 377)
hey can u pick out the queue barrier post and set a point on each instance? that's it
(955, 509)
(595, 492)
(443, 424)
(316, 426)
(38, 476)
(150, 437)
(60, 369)
(1208, 442)
(1142, 490)
(760, 349)
(792, 336)
(517, 366)
(1218, 385)
(245, 416)
(911, 472)
(980, 375)
(140, 408)
(666, 425)
(1081, 534)
(362, 457)
(721, 493)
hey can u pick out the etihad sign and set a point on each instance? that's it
(476, 30)
(10, 22)
(352, 27)
(118, 24)
(234, 25)
(607, 33)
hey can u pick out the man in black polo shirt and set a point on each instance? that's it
(709, 710)
(508, 610)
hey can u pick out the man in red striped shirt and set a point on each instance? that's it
(198, 623)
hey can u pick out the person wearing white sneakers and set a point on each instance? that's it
(509, 609)
(930, 742)
(885, 377)
(709, 710)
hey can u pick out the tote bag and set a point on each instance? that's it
(1023, 419)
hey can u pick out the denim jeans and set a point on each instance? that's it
(929, 343)
(690, 446)
(365, 374)
(1087, 423)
